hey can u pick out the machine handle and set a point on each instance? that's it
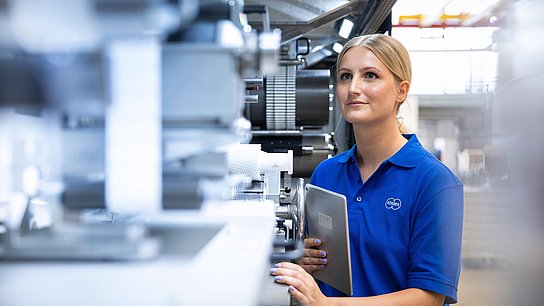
(306, 45)
(300, 210)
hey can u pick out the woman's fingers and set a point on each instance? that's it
(291, 274)
(311, 264)
(312, 261)
(291, 266)
(301, 284)
(311, 268)
(292, 270)
(296, 288)
(299, 296)
(290, 280)
(314, 253)
(311, 242)
(313, 257)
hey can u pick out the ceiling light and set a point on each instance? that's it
(345, 28)
(337, 47)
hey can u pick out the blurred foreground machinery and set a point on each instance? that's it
(115, 185)
(126, 164)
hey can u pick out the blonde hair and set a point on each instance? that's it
(390, 52)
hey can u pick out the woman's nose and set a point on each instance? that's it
(354, 86)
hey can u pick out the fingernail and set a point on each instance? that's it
(322, 267)
(277, 265)
(318, 241)
(277, 278)
(324, 260)
(273, 270)
(291, 288)
(322, 253)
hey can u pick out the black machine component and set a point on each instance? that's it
(19, 82)
(292, 111)
(177, 193)
(290, 100)
(204, 28)
(29, 82)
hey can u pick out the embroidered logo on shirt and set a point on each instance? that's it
(393, 203)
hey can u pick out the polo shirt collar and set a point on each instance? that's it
(350, 155)
(408, 156)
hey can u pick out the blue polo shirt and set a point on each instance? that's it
(405, 222)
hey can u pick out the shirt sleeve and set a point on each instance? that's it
(435, 247)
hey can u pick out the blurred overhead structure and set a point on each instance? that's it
(320, 20)
(451, 13)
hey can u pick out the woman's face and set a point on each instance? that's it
(367, 92)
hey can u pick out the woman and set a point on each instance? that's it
(405, 208)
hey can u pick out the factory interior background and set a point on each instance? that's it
(98, 95)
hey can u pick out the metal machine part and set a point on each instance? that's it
(290, 99)
(270, 174)
(92, 242)
(300, 212)
(291, 111)
(186, 102)
(313, 97)
(280, 101)
(265, 169)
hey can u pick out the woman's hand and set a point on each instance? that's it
(314, 258)
(301, 284)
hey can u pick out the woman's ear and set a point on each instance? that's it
(402, 93)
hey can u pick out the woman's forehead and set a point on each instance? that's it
(359, 57)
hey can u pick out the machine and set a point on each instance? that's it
(150, 150)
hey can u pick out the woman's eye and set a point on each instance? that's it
(345, 76)
(371, 75)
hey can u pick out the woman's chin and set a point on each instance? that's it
(356, 118)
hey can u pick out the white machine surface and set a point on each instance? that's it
(236, 239)
(327, 218)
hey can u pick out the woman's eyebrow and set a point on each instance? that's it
(360, 69)
(370, 68)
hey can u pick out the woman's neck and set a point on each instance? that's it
(376, 144)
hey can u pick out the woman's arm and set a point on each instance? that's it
(406, 297)
(304, 288)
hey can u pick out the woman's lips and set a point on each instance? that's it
(357, 103)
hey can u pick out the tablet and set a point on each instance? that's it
(327, 219)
